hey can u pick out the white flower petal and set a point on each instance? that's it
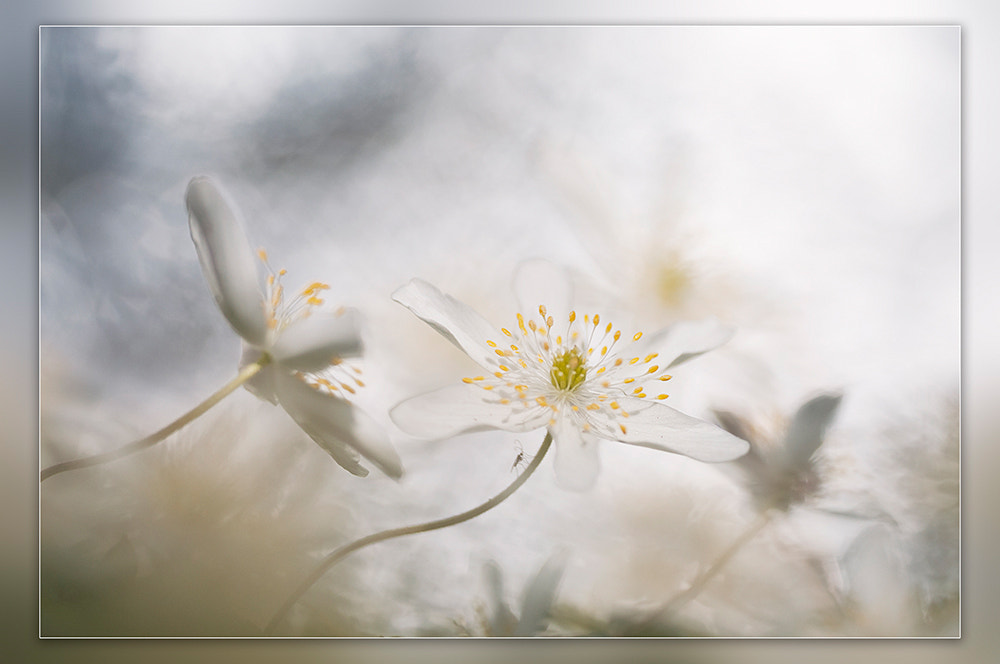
(311, 344)
(660, 427)
(226, 260)
(539, 281)
(686, 340)
(577, 463)
(337, 426)
(454, 320)
(463, 408)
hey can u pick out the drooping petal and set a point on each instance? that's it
(577, 463)
(463, 408)
(660, 427)
(226, 260)
(808, 427)
(456, 321)
(686, 340)
(538, 281)
(338, 427)
(311, 344)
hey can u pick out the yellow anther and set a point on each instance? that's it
(501, 352)
(633, 360)
(601, 370)
(479, 378)
(637, 336)
(520, 324)
(629, 380)
(314, 301)
(604, 350)
(651, 356)
(606, 383)
(618, 335)
(665, 377)
(662, 396)
(622, 427)
(498, 374)
(270, 280)
(597, 319)
(541, 401)
(506, 331)
(347, 387)
(314, 287)
(559, 340)
(504, 401)
(532, 325)
(550, 321)
(586, 426)
(524, 365)
(542, 310)
(654, 368)
(282, 272)
(575, 408)
(618, 362)
(466, 380)
(572, 316)
(504, 367)
(261, 254)
(552, 422)
(637, 390)
(513, 348)
(608, 328)
(545, 345)
(491, 344)
(593, 406)
(487, 387)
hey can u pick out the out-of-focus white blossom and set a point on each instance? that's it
(304, 373)
(575, 375)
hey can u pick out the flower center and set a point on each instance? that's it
(569, 370)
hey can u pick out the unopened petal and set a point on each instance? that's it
(338, 427)
(456, 321)
(313, 343)
(462, 408)
(808, 428)
(540, 595)
(577, 463)
(226, 260)
(660, 427)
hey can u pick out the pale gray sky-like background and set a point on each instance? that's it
(814, 169)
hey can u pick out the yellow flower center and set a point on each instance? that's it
(569, 369)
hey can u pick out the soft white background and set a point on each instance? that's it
(978, 95)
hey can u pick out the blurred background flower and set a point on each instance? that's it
(800, 182)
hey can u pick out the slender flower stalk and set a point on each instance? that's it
(245, 375)
(339, 554)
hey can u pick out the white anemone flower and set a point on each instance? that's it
(303, 350)
(575, 375)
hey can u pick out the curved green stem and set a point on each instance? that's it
(246, 374)
(339, 554)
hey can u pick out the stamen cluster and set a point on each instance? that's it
(583, 367)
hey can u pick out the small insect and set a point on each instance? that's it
(521, 457)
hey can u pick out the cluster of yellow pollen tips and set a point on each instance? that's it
(581, 367)
(339, 379)
(281, 312)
